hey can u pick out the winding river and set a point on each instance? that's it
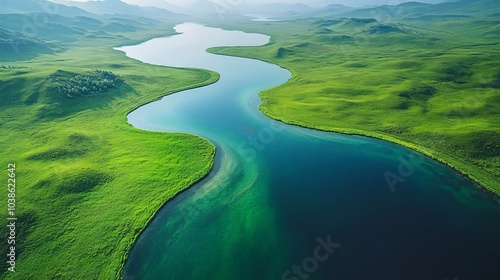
(284, 202)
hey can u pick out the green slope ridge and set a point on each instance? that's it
(15, 44)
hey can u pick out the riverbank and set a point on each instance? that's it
(132, 241)
(88, 177)
(369, 86)
(485, 182)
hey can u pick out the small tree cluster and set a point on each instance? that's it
(95, 82)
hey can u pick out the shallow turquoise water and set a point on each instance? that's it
(290, 203)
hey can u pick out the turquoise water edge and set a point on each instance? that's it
(284, 202)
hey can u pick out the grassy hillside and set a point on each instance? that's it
(430, 85)
(87, 182)
(13, 45)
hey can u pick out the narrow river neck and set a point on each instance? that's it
(219, 111)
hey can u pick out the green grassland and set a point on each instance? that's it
(429, 84)
(87, 182)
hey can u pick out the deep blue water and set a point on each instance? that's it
(290, 203)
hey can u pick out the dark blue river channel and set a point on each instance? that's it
(285, 202)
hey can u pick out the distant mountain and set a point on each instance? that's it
(328, 10)
(211, 9)
(483, 8)
(204, 7)
(283, 8)
(39, 6)
(64, 29)
(415, 4)
(388, 13)
(338, 8)
(415, 10)
(163, 5)
(276, 10)
(112, 7)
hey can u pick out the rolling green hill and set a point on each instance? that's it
(41, 7)
(14, 44)
(404, 11)
(418, 10)
(113, 7)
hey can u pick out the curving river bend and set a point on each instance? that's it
(290, 203)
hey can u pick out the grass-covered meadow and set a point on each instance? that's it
(87, 183)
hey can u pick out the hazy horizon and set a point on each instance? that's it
(313, 3)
